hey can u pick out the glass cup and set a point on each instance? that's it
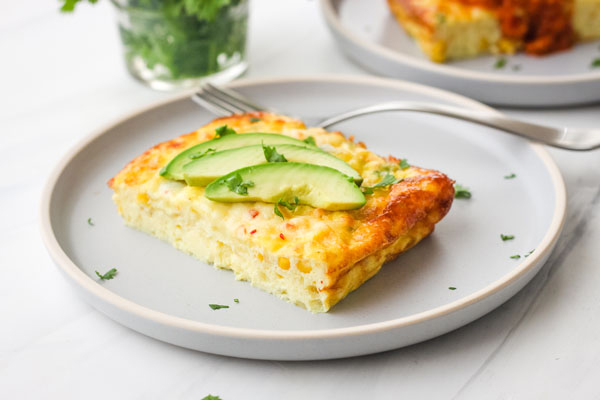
(168, 45)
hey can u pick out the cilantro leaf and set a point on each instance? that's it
(452, 288)
(500, 63)
(217, 306)
(211, 397)
(387, 180)
(289, 206)
(224, 131)
(201, 154)
(506, 237)
(404, 164)
(461, 192)
(90, 222)
(236, 300)
(254, 119)
(310, 140)
(515, 257)
(69, 5)
(236, 184)
(528, 254)
(108, 275)
(511, 176)
(271, 154)
(595, 63)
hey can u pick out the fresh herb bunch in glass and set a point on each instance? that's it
(180, 43)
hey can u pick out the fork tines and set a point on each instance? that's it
(223, 101)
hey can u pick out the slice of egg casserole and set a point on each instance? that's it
(308, 256)
(458, 29)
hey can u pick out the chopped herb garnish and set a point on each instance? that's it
(289, 206)
(254, 119)
(506, 237)
(271, 154)
(236, 300)
(310, 140)
(108, 275)
(217, 306)
(500, 63)
(211, 397)
(236, 184)
(528, 254)
(596, 63)
(452, 288)
(201, 154)
(404, 164)
(387, 180)
(90, 222)
(461, 192)
(511, 176)
(515, 257)
(224, 131)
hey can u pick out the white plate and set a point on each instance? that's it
(165, 293)
(368, 33)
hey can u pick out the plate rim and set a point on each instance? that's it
(448, 71)
(70, 269)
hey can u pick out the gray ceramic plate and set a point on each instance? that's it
(164, 293)
(367, 32)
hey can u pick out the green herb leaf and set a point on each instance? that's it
(528, 254)
(211, 397)
(277, 211)
(452, 288)
(404, 164)
(201, 154)
(224, 131)
(236, 300)
(271, 154)
(596, 63)
(387, 180)
(515, 257)
(217, 306)
(69, 5)
(289, 206)
(236, 184)
(511, 176)
(461, 192)
(500, 63)
(506, 237)
(254, 119)
(90, 222)
(108, 275)
(310, 140)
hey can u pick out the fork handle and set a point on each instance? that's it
(564, 138)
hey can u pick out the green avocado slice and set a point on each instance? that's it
(314, 185)
(204, 170)
(174, 169)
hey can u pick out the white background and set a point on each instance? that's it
(62, 76)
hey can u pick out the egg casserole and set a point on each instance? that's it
(311, 257)
(458, 29)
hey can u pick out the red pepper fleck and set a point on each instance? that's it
(253, 232)
(253, 212)
(281, 236)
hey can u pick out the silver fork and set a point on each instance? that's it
(223, 102)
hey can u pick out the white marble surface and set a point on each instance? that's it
(62, 76)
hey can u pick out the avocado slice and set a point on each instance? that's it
(204, 170)
(314, 185)
(174, 169)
